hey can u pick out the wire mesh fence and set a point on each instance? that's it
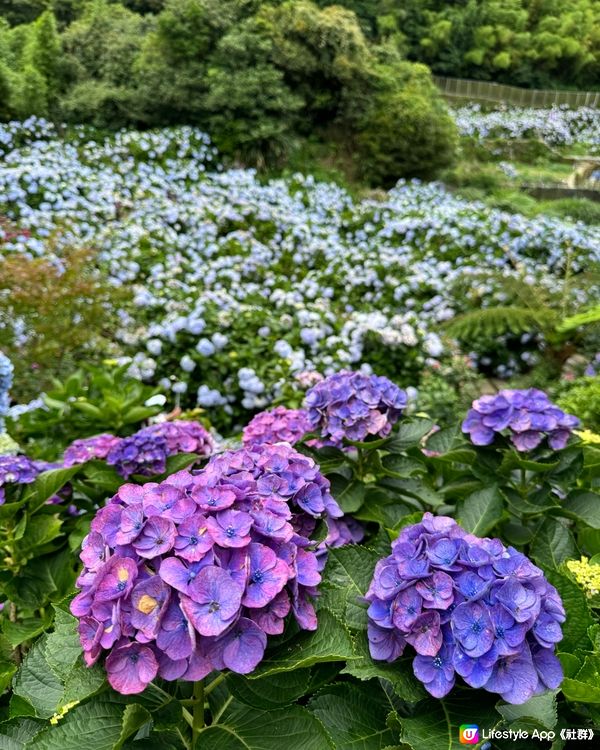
(498, 93)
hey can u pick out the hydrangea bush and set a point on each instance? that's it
(469, 607)
(192, 574)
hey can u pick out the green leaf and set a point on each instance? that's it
(176, 463)
(584, 687)
(552, 544)
(583, 506)
(398, 674)
(269, 692)
(134, 717)
(15, 734)
(48, 484)
(40, 530)
(443, 440)
(329, 459)
(409, 435)
(246, 728)
(579, 616)
(350, 569)
(350, 495)
(96, 725)
(481, 511)
(354, 716)
(434, 725)
(101, 476)
(400, 466)
(37, 683)
(330, 642)
(62, 646)
(540, 709)
(19, 632)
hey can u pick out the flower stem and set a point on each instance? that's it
(198, 716)
(212, 685)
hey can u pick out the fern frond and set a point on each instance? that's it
(495, 321)
(585, 318)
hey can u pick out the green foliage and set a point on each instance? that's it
(582, 397)
(88, 402)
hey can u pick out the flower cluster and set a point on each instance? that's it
(528, 415)
(85, 449)
(192, 574)
(468, 606)
(586, 574)
(279, 425)
(183, 436)
(146, 452)
(17, 470)
(354, 405)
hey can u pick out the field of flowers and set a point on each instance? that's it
(282, 512)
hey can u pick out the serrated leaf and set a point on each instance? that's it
(579, 616)
(62, 646)
(96, 725)
(409, 435)
(269, 692)
(481, 511)
(37, 683)
(19, 632)
(134, 717)
(350, 570)
(552, 544)
(435, 723)
(584, 507)
(349, 495)
(399, 674)
(541, 708)
(15, 734)
(48, 484)
(354, 716)
(443, 440)
(246, 728)
(330, 642)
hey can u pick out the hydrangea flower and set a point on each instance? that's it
(84, 449)
(183, 437)
(354, 405)
(142, 453)
(527, 415)
(469, 607)
(18, 470)
(279, 425)
(192, 574)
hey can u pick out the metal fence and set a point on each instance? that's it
(498, 93)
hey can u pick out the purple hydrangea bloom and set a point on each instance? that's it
(279, 425)
(142, 453)
(353, 405)
(192, 574)
(85, 449)
(183, 437)
(17, 470)
(469, 607)
(528, 416)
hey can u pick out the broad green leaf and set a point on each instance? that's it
(19, 632)
(62, 646)
(134, 717)
(96, 725)
(584, 686)
(579, 616)
(409, 435)
(481, 511)
(401, 466)
(553, 544)
(246, 728)
(350, 569)
(400, 489)
(180, 461)
(399, 673)
(269, 692)
(37, 683)
(15, 734)
(584, 507)
(330, 642)
(443, 440)
(40, 530)
(354, 716)
(435, 723)
(101, 476)
(48, 484)
(349, 495)
(541, 709)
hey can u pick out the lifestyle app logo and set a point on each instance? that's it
(468, 734)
